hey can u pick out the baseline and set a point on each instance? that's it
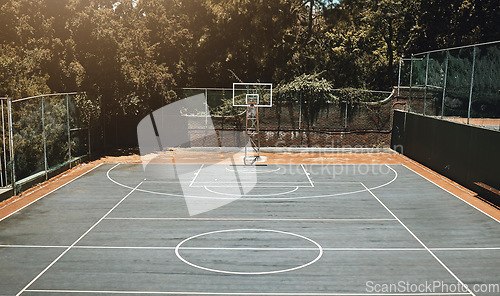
(244, 294)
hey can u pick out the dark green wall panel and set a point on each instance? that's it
(463, 153)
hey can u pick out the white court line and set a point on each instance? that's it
(196, 175)
(202, 184)
(51, 191)
(78, 240)
(466, 249)
(258, 219)
(246, 293)
(307, 174)
(453, 194)
(254, 195)
(219, 248)
(255, 249)
(33, 246)
(252, 172)
(232, 182)
(421, 242)
(164, 182)
(337, 183)
(179, 247)
(245, 249)
(248, 184)
(291, 184)
(432, 172)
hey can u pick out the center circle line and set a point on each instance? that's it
(253, 172)
(178, 247)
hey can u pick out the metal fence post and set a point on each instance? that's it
(44, 142)
(411, 78)
(89, 142)
(206, 108)
(69, 130)
(4, 165)
(346, 116)
(300, 110)
(471, 84)
(399, 76)
(426, 82)
(11, 143)
(445, 80)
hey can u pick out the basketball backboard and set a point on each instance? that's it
(257, 94)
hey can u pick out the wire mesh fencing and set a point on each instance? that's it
(44, 133)
(460, 84)
(41, 134)
(296, 120)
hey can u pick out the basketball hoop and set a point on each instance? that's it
(252, 96)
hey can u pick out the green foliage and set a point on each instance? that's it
(312, 92)
(21, 72)
(130, 54)
(487, 81)
(27, 138)
(90, 109)
(227, 109)
(28, 134)
(353, 96)
(310, 86)
(56, 131)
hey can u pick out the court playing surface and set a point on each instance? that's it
(225, 229)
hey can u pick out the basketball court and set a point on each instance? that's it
(341, 227)
(229, 219)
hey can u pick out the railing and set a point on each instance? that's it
(41, 134)
(460, 83)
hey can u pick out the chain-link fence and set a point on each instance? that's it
(460, 84)
(295, 120)
(41, 134)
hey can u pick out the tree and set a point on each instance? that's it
(253, 39)
(31, 47)
(133, 53)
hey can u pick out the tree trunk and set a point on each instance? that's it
(390, 51)
(311, 19)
